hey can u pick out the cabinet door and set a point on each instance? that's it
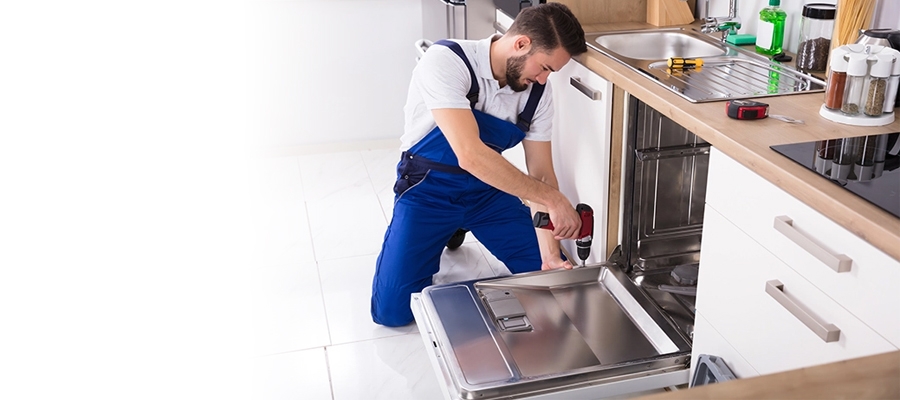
(581, 136)
(707, 340)
(868, 289)
(734, 297)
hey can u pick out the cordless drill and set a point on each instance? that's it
(583, 242)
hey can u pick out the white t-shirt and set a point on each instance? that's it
(441, 80)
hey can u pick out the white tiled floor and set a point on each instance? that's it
(321, 219)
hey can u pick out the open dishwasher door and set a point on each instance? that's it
(585, 333)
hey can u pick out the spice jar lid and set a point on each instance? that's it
(838, 59)
(819, 11)
(858, 65)
(883, 65)
(896, 69)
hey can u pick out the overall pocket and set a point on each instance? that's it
(408, 175)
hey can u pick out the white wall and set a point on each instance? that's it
(330, 71)
(887, 15)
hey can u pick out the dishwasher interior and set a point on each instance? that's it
(609, 329)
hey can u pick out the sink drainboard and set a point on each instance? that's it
(727, 77)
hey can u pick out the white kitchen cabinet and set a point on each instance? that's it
(707, 340)
(867, 287)
(733, 297)
(581, 137)
(747, 265)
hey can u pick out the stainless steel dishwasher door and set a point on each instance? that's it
(586, 332)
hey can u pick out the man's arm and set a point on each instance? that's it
(539, 160)
(461, 131)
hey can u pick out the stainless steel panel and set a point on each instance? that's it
(442, 19)
(590, 325)
(480, 17)
(666, 167)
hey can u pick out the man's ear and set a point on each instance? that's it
(522, 43)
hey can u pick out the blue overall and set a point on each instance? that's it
(434, 197)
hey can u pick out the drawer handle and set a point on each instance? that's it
(839, 262)
(587, 90)
(828, 332)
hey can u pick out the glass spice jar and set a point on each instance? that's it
(893, 83)
(837, 79)
(816, 28)
(876, 86)
(856, 79)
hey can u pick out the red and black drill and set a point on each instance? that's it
(585, 235)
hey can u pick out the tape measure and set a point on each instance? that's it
(746, 109)
(681, 63)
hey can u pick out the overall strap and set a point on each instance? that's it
(473, 90)
(523, 122)
(526, 116)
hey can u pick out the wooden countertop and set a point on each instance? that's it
(873, 377)
(748, 142)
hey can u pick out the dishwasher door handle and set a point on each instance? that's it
(825, 331)
(587, 90)
(837, 262)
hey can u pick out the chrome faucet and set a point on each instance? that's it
(727, 25)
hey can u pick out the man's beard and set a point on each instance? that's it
(514, 73)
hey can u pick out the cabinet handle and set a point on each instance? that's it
(828, 332)
(837, 262)
(587, 90)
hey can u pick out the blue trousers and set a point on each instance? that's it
(429, 206)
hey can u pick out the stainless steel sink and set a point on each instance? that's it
(728, 72)
(658, 45)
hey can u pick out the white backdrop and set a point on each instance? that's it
(330, 71)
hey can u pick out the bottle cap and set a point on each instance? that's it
(882, 67)
(774, 2)
(858, 65)
(819, 10)
(838, 59)
(896, 69)
(855, 47)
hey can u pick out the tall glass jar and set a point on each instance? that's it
(816, 28)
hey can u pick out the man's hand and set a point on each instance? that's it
(555, 263)
(566, 222)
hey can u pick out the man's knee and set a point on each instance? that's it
(391, 307)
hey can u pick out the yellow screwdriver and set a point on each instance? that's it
(680, 62)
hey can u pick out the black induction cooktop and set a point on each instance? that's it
(868, 166)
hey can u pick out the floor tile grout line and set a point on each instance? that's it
(328, 368)
(374, 189)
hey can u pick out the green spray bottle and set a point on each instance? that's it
(770, 29)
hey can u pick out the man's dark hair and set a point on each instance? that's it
(549, 26)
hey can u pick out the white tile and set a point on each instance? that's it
(295, 375)
(347, 289)
(276, 179)
(279, 214)
(465, 263)
(282, 235)
(382, 167)
(288, 309)
(346, 226)
(394, 368)
(334, 176)
(496, 265)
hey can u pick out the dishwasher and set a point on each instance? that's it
(608, 329)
